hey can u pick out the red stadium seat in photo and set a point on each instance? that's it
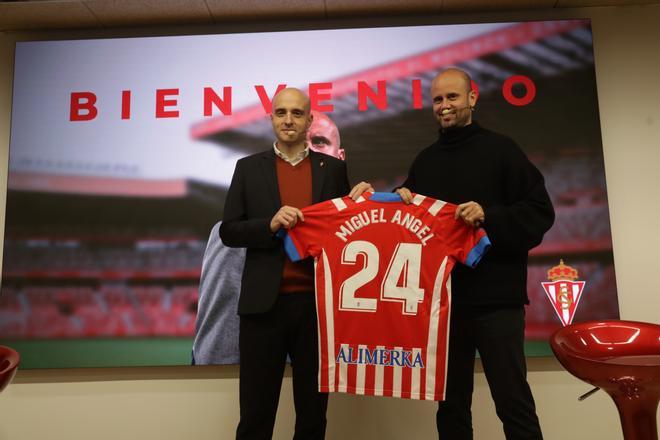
(9, 360)
(622, 358)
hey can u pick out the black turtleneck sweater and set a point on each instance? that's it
(475, 164)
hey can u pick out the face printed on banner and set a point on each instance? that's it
(453, 99)
(291, 117)
(323, 136)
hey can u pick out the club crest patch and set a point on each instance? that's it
(564, 291)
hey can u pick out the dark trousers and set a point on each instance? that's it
(265, 340)
(498, 334)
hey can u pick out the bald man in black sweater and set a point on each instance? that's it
(499, 189)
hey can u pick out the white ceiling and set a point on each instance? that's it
(68, 14)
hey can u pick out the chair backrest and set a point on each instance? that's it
(9, 360)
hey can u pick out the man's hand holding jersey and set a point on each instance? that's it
(358, 189)
(472, 213)
(286, 218)
(405, 194)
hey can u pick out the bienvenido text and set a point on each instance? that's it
(86, 106)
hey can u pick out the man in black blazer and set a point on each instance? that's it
(276, 304)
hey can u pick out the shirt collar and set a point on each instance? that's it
(296, 160)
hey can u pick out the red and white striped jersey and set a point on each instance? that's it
(383, 290)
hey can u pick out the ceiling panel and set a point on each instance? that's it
(587, 3)
(62, 14)
(345, 8)
(449, 6)
(45, 15)
(131, 12)
(224, 10)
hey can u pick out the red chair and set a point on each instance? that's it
(622, 358)
(9, 360)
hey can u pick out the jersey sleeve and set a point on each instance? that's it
(465, 243)
(305, 239)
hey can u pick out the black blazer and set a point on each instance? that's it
(252, 201)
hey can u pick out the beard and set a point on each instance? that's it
(461, 118)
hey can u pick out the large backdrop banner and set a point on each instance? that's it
(122, 151)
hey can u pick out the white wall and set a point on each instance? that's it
(202, 402)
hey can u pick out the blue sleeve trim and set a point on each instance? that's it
(290, 249)
(385, 197)
(281, 233)
(477, 252)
